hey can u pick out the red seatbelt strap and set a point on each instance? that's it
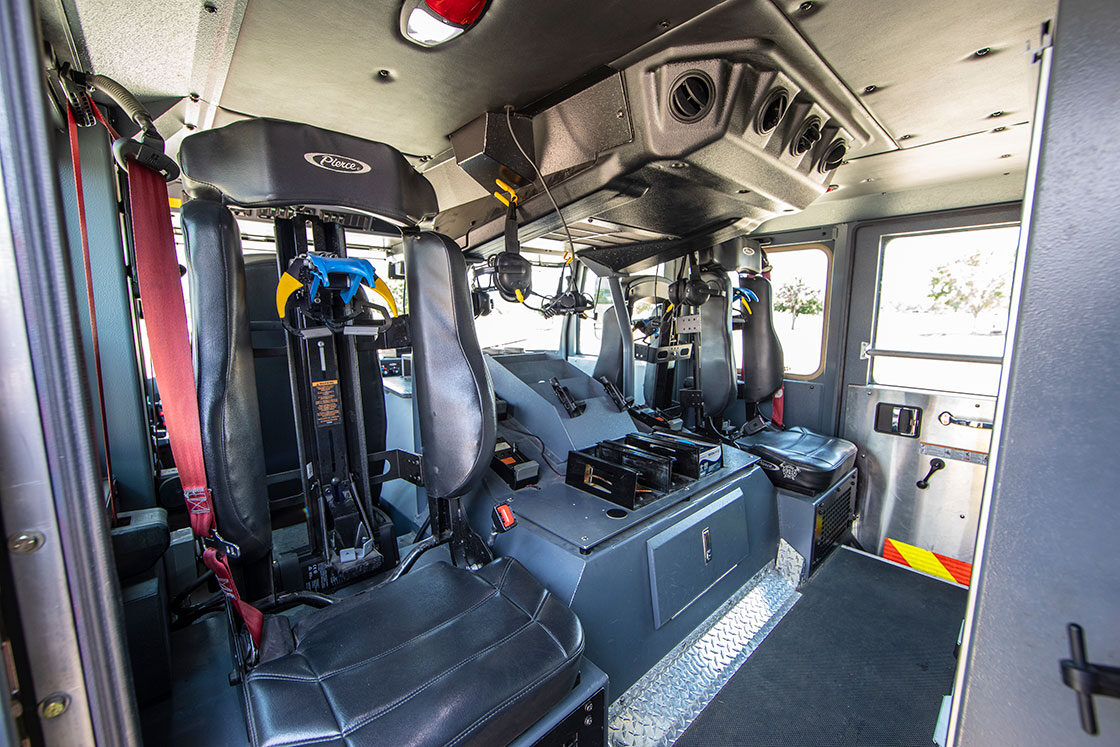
(83, 227)
(165, 316)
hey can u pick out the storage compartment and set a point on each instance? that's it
(689, 557)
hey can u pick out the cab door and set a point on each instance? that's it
(927, 324)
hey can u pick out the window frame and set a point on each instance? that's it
(829, 259)
(871, 352)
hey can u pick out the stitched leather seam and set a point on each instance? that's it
(401, 701)
(375, 657)
(323, 692)
(515, 697)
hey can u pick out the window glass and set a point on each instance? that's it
(944, 293)
(799, 277)
(515, 325)
(591, 328)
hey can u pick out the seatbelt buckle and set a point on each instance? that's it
(503, 518)
(216, 542)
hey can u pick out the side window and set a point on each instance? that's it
(800, 276)
(515, 325)
(591, 326)
(942, 311)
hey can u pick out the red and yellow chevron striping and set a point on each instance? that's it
(925, 561)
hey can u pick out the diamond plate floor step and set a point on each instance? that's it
(660, 706)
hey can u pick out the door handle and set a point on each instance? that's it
(1087, 679)
(934, 465)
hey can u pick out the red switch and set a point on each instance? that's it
(503, 517)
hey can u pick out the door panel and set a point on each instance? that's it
(943, 517)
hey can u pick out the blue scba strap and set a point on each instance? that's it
(745, 292)
(358, 270)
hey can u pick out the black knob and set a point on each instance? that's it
(934, 465)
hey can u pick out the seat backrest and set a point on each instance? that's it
(227, 390)
(451, 384)
(609, 362)
(716, 380)
(763, 361)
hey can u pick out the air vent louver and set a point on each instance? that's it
(835, 156)
(807, 138)
(691, 97)
(772, 111)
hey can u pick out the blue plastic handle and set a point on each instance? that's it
(750, 295)
(358, 270)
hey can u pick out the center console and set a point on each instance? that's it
(642, 573)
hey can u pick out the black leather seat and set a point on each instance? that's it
(797, 458)
(443, 655)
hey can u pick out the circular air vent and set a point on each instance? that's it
(772, 111)
(835, 156)
(807, 138)
(691, 97)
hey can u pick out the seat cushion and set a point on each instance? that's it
(441, 656)
(801, 460)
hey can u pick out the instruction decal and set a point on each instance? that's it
(326, 403)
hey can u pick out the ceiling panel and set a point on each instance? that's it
(319, 62)
(921, 57)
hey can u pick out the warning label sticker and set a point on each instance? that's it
(327, 404)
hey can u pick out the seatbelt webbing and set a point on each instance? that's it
(83, 229)
(165, 317)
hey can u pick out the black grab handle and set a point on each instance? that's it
(934, 465)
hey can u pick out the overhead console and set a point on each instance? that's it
(699, 137)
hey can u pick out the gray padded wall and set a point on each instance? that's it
(1050, 552)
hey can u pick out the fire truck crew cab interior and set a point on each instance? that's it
(448, 372)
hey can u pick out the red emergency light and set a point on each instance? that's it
(433, 22)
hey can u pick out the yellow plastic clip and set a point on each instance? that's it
(508, 190)
(746, 306)
(284, 289)
(520, 298)
(382, 289)
(502, 198)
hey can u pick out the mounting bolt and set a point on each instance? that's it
(1006, 155)
(193, 96)
(999, 129)
(383, 74)
(870, 89)
(905, 137)
(210, 7)
(983, 51)
(25, 542)
(997, 113)
(54, 705)
(664, 23)
(583, 539)
(588, 721)
(806, 6)
(620, 114)
(190, 126)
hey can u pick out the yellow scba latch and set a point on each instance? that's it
(381, 288)
(320, 268)
(284, 289)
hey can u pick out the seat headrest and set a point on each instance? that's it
(273, 163)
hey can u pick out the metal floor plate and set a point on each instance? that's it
(660, 706)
